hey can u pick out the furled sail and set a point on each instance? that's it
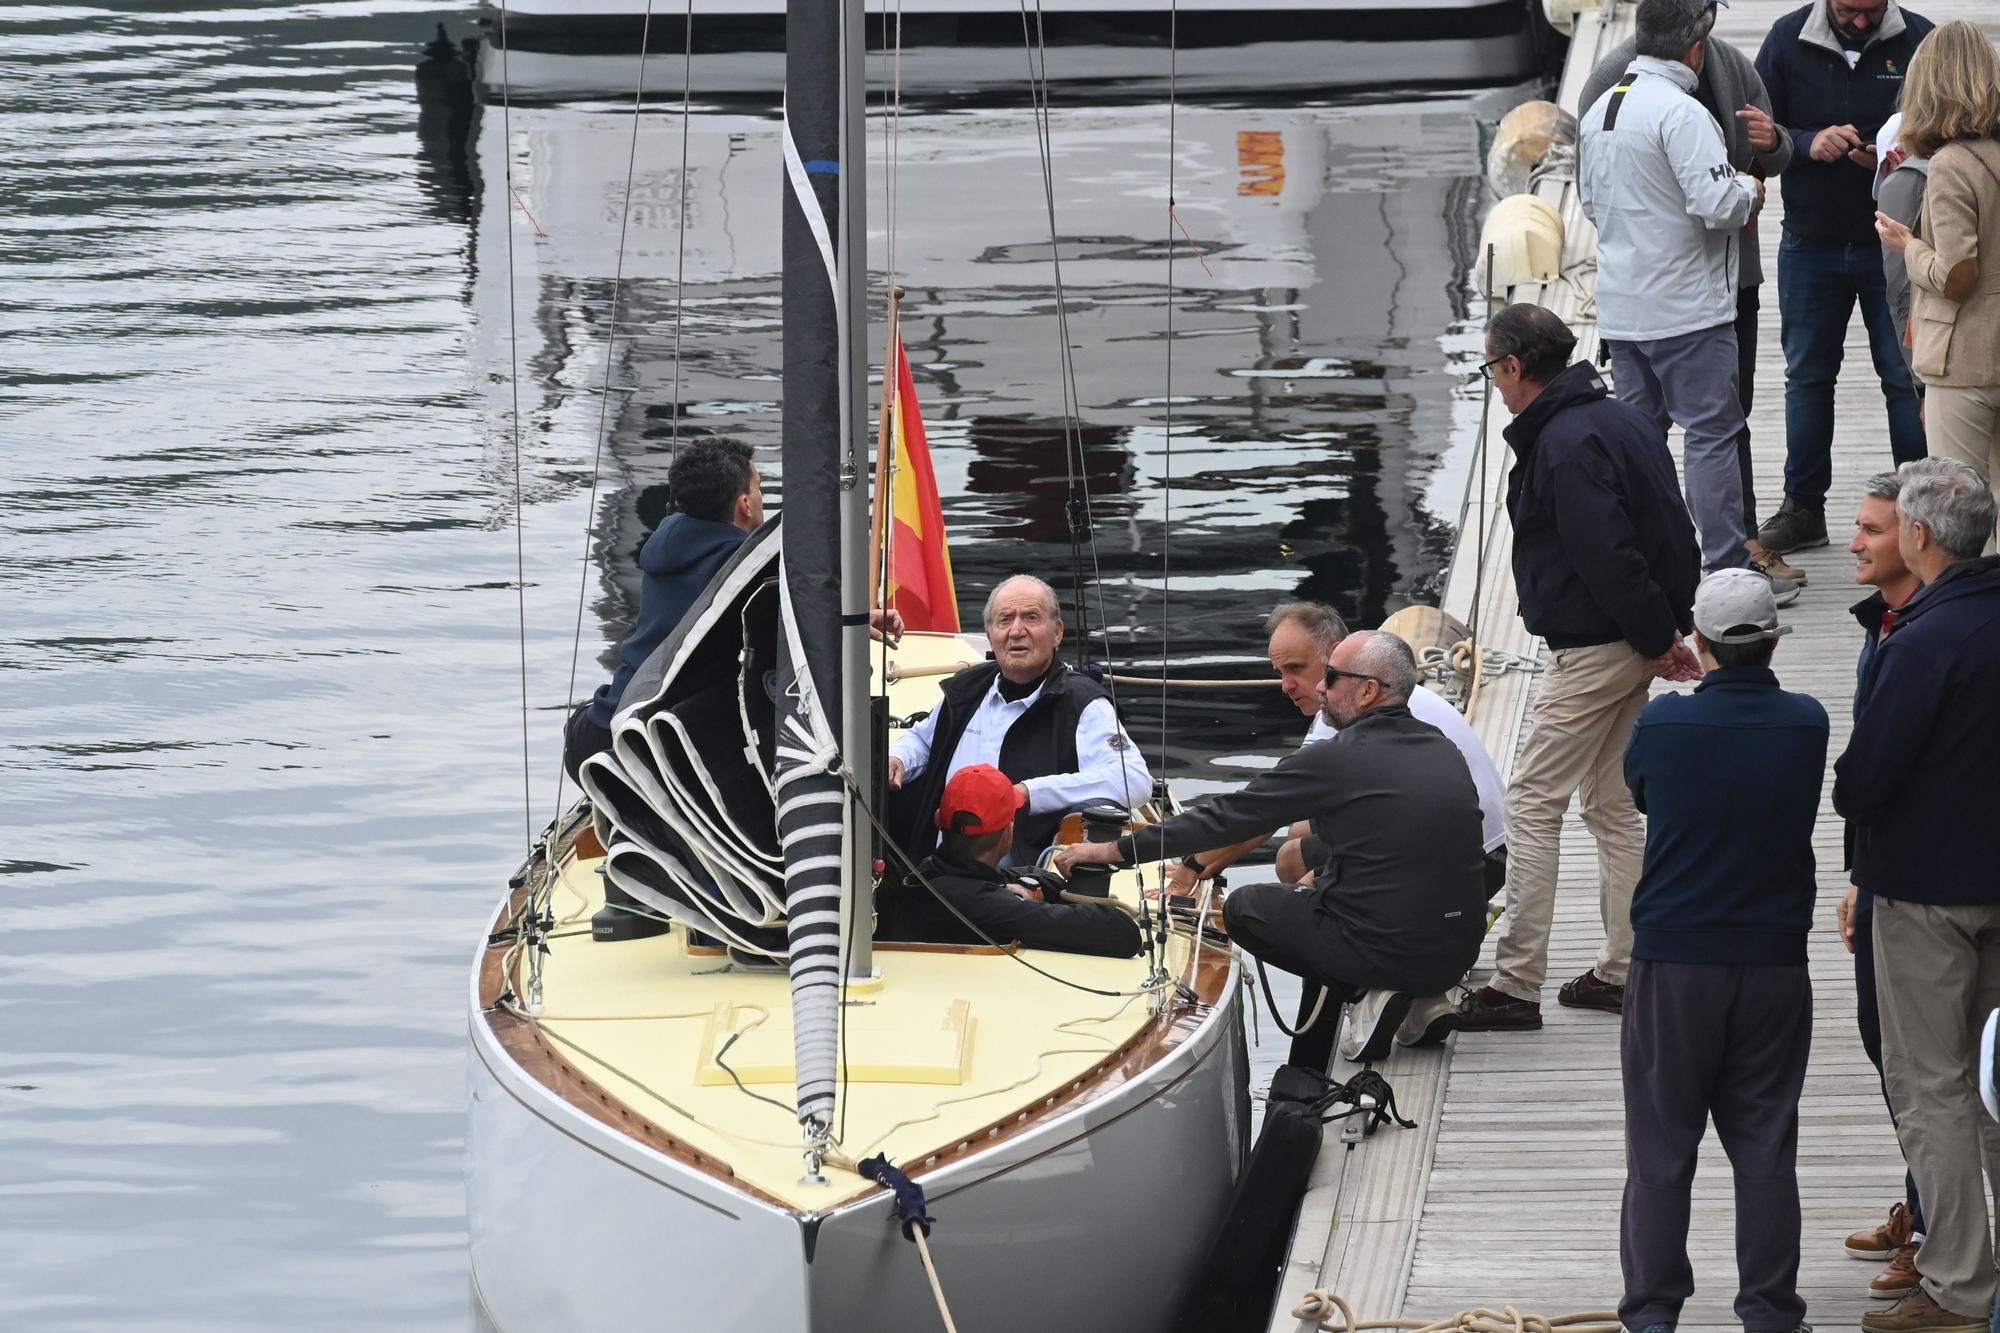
(685, 798)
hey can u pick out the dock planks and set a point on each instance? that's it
(1509, 1192)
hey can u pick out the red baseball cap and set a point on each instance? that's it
(983, 792)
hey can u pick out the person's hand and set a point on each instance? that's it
(1864, 157)
(1021, 891)
(1834, 142)
(1021, 793)
(895, 774)
(1678, 663)
(1844, 915)
(1758, 207)
(886, 625)
(1180, 879)
(1085, 854)
(1895, 236)
(1763, 131)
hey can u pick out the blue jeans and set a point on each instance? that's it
(1818, 287)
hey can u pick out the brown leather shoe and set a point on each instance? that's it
(1489, 1010)
(1918, 1313)
(1881, 1243)
(1899, 1279)
(1591, 991)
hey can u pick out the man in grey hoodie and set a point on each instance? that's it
(1728, 85)
(1654, 176)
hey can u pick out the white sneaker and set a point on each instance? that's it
(1368, 1025)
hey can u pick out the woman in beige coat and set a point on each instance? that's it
(1951, 114)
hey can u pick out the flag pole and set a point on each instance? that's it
(884, 452)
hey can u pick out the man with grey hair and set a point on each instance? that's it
(1301, 636)
(1654, 174)
(1052, 730)
(1914, 784)
(1399, 903)
(1729, 88)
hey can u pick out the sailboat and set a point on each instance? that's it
(670, 1132)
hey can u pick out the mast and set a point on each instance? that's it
(824, 683)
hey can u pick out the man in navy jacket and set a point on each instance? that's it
(1605, 563)
(1834, 70)
(1718, 1007)
(1917, 784)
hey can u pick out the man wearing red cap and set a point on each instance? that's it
(959, 895)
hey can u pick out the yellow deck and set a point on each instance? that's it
(946, 1045)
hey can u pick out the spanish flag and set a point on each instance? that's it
(909, 529)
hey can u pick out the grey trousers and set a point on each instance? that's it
(1937, 976)
(1728, 1041)
(1691, 380)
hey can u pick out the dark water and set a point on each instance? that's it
(260, 673)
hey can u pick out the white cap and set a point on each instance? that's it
(1729, 599)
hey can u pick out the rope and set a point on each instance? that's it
(1264, 980)
(937, 1290)
(1332, 1313)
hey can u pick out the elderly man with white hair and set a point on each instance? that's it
(1050, 729)
(1916, 785)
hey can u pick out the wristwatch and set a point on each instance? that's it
(1193, 862)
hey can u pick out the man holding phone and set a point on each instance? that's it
(1834, 71)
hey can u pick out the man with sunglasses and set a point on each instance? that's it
(1606, 565)
(1398, 904)
(1834, 70)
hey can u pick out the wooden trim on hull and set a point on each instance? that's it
(540, 1060)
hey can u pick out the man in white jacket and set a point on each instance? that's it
(1655, 177)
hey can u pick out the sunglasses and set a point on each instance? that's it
(1334, 675)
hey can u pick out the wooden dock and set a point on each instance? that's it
(1508, 1193)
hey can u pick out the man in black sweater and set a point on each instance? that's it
(961, 896)
(1606, 564)
(1834, 71)
(1916, 785)
(1718, 1005)
(1398, 902)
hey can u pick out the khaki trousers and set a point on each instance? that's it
(1965, 424)
(1577, 734)
(1937, 975)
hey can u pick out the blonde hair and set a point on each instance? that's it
(1952, 90)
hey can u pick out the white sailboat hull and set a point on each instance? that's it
(1093, 1219)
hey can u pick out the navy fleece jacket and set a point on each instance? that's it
(1917, 778)
(678, 561)
(1804, 67)
(1729, 874)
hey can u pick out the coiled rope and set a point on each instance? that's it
(1330, 1312)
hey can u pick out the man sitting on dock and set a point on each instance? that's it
(960, 895)
(1718, 1010)
(1399, 904)
(1051, 730)
(1606, 565)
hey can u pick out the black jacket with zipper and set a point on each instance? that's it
(1603, 546)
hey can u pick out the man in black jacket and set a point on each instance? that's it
(961, 896)
(1398, 902)
(1916, 783)
(1834, 70)
(1605, 562)
(1052, 730)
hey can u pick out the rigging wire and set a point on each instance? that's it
(1075, 460)
(611, 346)
(514, 426)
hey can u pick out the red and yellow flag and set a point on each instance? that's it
(909, 529)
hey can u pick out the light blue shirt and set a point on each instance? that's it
(1112, 769)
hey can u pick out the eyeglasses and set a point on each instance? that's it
(1334, 675)
(1486, 367)
(1843, 13)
